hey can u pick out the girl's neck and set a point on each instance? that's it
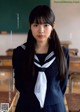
(42, 47)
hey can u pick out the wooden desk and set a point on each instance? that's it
(6, 72)
(6, 68)
(75, 68)
(74, 64)
(6, 78)
(5, 60)
(74, 59)
(9, 52)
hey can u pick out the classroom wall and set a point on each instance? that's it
(67, 23)
(11, 41)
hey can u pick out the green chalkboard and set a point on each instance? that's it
(14, 14)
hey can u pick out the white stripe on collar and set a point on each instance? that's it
(46, 65)
(36, 58)
(23, 46)
(49, 55)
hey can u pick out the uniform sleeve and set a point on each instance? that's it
(16, 62)
(63, 84)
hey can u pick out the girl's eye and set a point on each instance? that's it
(46, 25)
(35, 25)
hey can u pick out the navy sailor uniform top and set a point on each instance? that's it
(55, 87)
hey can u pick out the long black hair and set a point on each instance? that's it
(37, 14)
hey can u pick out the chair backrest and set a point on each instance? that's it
(6, 81)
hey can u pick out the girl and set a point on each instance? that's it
(41, 66)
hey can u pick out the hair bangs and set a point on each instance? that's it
(42, 20)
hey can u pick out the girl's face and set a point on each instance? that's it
(41, 31)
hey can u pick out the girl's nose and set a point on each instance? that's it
(41, 28)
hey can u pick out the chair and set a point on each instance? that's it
(73, 97)
(7, 88)
(74, 73)
(73, 52)
(73, 102)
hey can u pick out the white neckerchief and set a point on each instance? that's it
(41, 82)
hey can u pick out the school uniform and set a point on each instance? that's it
(55, 89)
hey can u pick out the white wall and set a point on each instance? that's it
(11, 41)
(67, 23)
